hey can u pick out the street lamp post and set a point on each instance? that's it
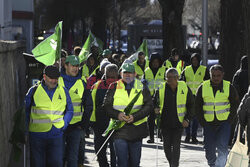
(204, 31)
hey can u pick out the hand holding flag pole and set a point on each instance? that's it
(115, 124)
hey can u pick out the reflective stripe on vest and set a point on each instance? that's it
(181, 99)
(194, 80)
(47, 112)
(36, 111)
(43, 121)
(218, 105)
(179, 67)
(156, 82)
(76, 93)
(138, 69)
(93, 95)
(121, 99)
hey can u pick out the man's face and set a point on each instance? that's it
(49, 82)
(91, 61)
(155, 63)
(128, 77)
(171, 79)
(71, 70)
(176, 57)
(141, 58)
(195, 61)
(216, 76)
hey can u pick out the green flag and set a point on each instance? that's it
(116, 124)
(49, 50)
(143, 48)
(91, 41)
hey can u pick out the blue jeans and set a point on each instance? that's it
(217, 138)
(72, 142)
(128, 153)
(81, 154)
(46, 152)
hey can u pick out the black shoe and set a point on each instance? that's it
(194, 140)
(187, 139)
(150, 141)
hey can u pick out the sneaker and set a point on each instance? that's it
(150, 141)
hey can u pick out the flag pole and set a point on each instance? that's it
(103, 144)
(27, 54)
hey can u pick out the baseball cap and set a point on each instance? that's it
(52, 72)
(128, 66)
(73, 60)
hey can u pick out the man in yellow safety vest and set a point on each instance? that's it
(133, 127)
(49, 111)
(176, 108)
(194, 75)
(216, 104)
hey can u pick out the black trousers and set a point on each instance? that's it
(102, 156)
(151, 125)
(171, 144)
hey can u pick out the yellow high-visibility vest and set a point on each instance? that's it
(47, 112)
(93, 95)
(156, 82)
(76, 93)
(194, 80)
(122, 99)
(217, 105)
(138, 69)
(181, 99)
(179, 67)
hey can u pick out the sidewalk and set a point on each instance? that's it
(192, 155)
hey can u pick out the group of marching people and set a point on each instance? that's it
(110, 88)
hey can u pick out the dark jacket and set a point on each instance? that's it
(240, 79)
(233, 99)
(244, 114)
(129, 132)
(169, 118)
(102, 120)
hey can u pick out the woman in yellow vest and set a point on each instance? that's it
(133, 127)
(194, 75)
(216, 104)
(71, 79)
(176, 108)
(49, 111)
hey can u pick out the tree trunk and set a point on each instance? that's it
(246, 9)
(99, 21)
(172, 26)
(230, 41)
